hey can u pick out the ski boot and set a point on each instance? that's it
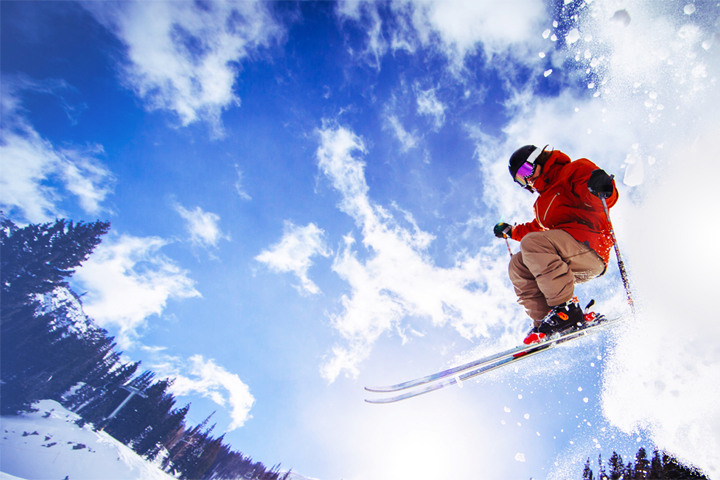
(562, 318)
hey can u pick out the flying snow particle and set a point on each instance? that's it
(519, 397)
(548, 72)
(520, 457)
(585, 399)
(546, 33)
(527, 416)
(507, 410)
(621, 17)
(579, 389)
(715, 39)
(591, 85)
(689, 9)
(542, 54)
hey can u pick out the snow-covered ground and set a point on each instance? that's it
(48, 444)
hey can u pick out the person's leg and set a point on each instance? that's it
(558, 261)
(527, 290)
(551, 262)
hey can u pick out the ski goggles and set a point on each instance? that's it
(527, 169)
(524, 172)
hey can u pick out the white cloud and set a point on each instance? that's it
(184, 56)
(294, 251)
(239, 185)
(127, 280)
(465, 25)
(208, 379)
(367, 15)
(456, 28)
(428, 104)
(202, 226)
(408, 141)
(35, 175)
(399, 279)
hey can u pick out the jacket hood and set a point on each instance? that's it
(551, 170)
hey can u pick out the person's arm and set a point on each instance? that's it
(519, 231)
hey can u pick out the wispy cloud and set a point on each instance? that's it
(428, 104)
(207, 378)
(408, 141)
(293, 253)
(203, 227)
(128, 280)
(454, 28)
(239, 188)
(184, 56)
(368, 17)
(35, 175)
(398, 279)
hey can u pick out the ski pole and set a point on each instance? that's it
(621, 264)
(508, 244)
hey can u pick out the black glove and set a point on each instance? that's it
(502, 229)
(600, 184)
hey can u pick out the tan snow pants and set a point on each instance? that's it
(545, 271)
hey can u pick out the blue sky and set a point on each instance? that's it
(302, 197)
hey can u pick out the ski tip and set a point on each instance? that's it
(376, 389)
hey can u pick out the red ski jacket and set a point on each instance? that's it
(565, 203)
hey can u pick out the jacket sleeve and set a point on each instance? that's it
(519, 231)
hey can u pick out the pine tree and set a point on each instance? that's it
(617, 468)
(38, 258)
(642, 465)
(656, 466)
(602, 474)
(35, 260)
(587, 472)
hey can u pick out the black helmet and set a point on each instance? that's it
(529, 154)
(520, 156)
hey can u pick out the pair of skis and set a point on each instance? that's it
(461, 373)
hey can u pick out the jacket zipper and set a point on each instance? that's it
(547, 209)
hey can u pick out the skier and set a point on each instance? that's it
(568, 242)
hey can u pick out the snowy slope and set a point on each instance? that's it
(48, 444)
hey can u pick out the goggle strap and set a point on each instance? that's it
(534, 155)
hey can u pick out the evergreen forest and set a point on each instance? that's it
(661, 467)
(45, 354)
